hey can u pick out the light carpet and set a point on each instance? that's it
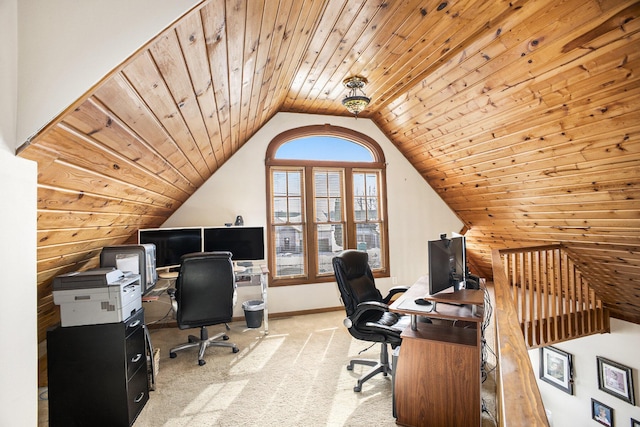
(294, 376)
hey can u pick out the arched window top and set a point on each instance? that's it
(324, 143)
(323, 147)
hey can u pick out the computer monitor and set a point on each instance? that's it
(447, 264)
(172, 243)
(245, 243)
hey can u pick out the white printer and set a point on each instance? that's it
(101, 295)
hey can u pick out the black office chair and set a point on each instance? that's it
(204, 295)
(368, 316)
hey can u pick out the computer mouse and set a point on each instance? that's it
(422, 301)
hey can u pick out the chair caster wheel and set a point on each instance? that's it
(235, 349)
(349, 367)
(357, 388)
(172, 355)
(225, 337)
(201, 362)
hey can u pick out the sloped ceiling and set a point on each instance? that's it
(524, 116)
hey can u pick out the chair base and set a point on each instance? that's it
(380, 367)
(218, 340)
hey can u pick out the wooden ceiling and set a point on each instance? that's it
(523, 115)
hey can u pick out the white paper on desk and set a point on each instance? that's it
(128, 262)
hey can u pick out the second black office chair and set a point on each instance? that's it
(368, 316)
(205, 296)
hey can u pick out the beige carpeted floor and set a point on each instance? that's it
(294, 376)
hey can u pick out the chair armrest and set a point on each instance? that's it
(395, 291)
(365, 307)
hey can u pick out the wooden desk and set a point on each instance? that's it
(437, 376)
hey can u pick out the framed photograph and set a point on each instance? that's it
(615, 379)
(635, 423)
(601, 413)
(556, 368)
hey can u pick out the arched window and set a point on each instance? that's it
(326, 192)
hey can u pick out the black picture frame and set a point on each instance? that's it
(556, 368)
(635, 423)
(616, 379)
(601, 413)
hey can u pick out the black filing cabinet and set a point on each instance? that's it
(97, 373)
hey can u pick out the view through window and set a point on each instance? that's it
(325, 195)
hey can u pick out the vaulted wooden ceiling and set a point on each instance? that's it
(523, 115)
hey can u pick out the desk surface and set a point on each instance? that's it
(453, 305)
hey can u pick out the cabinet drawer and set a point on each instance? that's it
(134, 322)
(137, 393)
(136, 356)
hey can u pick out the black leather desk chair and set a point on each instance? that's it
(368, 316)
(205, 294)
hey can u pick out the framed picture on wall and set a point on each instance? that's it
(635, 423)
(601, 413)
(556, 368)
(615, 379)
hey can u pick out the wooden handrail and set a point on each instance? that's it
(519, 401)
(553, 300)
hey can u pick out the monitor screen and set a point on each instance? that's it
(245, 243)
(447, 264)
(172, 243)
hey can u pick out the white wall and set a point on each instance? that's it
(416, 212)
(67, 46)
(18, 329)
(622, 345)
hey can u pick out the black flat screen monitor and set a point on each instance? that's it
(172, 243)
(447, 264)
(245, 243)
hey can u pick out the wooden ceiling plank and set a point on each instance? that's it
(62, 236)
(236, 15)
(215, 33)
(191, 37)
(263, 71)
(251, 43)
(94, 119)
(300, 34)
(148, 82)
(141, 121)
(81, 151)
(289, 19)
(494, 86)
(348, 28)
(167, 55)
(50, 219)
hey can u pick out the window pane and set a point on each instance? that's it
(328, 195)
(324, 148)
(321, 184)
(330, 243)
(295, 210)
(372, 208)
(335, 184)
(366, 201)
(290, 253)
(335, 209)
(372, 184)
(322, 210)
(279, 183)
(294, 183)
(369, 239)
